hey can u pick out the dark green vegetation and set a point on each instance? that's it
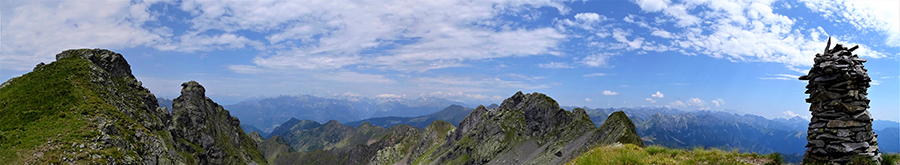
(88, 108)
(525, 129)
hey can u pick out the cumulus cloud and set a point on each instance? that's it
(881, 16)
(610, 93)
(717, 102)
(678, 104)
(35, 31)
(658, 95)
(695, 102)
(588, 99)
(589, 17)
(650, 100)
(336, 33)
(620, 35)
(746, 30)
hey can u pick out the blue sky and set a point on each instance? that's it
(739, 56)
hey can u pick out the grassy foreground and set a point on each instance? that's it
(631, 154)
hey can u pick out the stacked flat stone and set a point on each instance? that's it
(841, 125)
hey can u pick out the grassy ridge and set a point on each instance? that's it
(45, 111)
(631, 154)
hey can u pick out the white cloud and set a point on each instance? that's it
(588, 99)
(875, 82)
(678, 104)
(652, 5)
(717, 102)
(781, 77)
(620, 35)
(880, 16)
(589, 17)
(610, 93)
(791, 114)
(594, 74)
(556, 65)
(524, 77)
(35, 31)
(658, 95)
(244, 69)
(662, 33)
(388, 95)
(415, 36)
(193, 42)
(695, 102)
(650, 100)
(745, 30)
(597, 60)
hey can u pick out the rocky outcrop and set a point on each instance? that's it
(207, 131)
(111, 62)
(841, 125)
(118, 88)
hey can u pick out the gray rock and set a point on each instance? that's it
(840, 126)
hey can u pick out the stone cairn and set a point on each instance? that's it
(841, 127)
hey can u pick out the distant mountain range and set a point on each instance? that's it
(268, 113)
(452, 114)
(748, 133)
(525, 129)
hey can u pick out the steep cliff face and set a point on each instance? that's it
(84, 108)
(207, 132)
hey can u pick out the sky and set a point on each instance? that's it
(722, 55)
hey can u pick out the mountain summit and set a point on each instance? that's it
(88, 108)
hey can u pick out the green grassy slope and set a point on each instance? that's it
(632, 154)
(47, 115)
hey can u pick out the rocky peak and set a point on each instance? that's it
(193, 89)
(542, 113)
(208, 130)
(112, 62)
(333, 123)
(618, 128)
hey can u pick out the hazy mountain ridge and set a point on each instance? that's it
(453, 114)
(746, 132)
(267, 113)
(526, 128)
(88, 108)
